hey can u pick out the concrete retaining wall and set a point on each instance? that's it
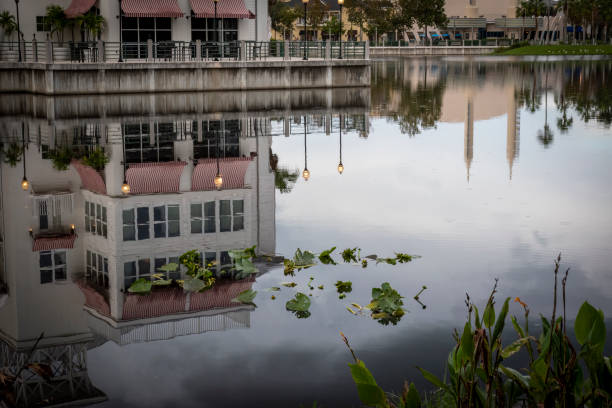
(116, 78)
(404, 51)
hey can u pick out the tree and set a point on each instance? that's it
(332, 26)
(282, 17)
(8, 24)
(531, 8)
(317, 10)
(57, 21)
(426, 13)
(91, 23)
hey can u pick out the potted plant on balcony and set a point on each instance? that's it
(61, 157)
(58, 23)
(96, 159)
(12, 155)
(9, 26)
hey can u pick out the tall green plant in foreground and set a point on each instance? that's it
(557, 375)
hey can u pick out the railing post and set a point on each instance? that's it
(35, 49)
(366, 52)
(198, 45)
(243, 49)
(327, 49)
(101, 54)
(149, 50)
(286, 55)
(49, 51)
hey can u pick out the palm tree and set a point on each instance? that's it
(57, 21)
(8, 24)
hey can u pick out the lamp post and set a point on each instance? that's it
(25, 184)
(18, 30)
(120, 35)
(341, 3)
(340, 165)
(305, 173)
(125, 187)
(218, 176)
(305, 28)
(217, 28)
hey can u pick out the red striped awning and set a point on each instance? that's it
(50, 243)
(78, 8)
(232, 169)
(150, 178)
(151, 8)
(90, 179)
(225, 9)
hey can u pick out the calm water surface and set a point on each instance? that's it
(487, 168)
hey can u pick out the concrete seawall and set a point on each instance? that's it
(118, 78)
(454, 50)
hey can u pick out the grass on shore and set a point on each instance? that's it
(559, 50)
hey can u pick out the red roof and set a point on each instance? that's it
(78, 8)
(151, 8)
(49, 243)
(225, 9)
(233, 170)
(91, 180)
(150, 178)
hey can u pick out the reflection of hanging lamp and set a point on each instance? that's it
(340, 165)
(125, 187)
(219, 176)
(305, 173)
(25, 184)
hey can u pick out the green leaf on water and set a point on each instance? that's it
(289, 267)
(349, 255)
(246, 266)
(274, 289)
(390, 261)
(141, 286)
(344, 287)
(386, 301)
(304, 259)
(300, 303)
(289, 284)
(404, 258)
(245, 297)
(325, 257)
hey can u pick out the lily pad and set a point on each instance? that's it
(349, 255)
(325, 257)
(304, 259)
(344, 287)
(300, 303)
(246, 297)
(386, 305)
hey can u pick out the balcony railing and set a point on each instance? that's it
(177, 51)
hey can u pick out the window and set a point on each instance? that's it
(52, 266)
(166, 221)
(206, 30)
(97, 269)
(134, 270)
(226, 133)
(129, 225)
(141, 29)
(231, 215)
(96, 220)
(210, 258)
(42, 24)
(146, 144)
(43, 222)
(142, 219)
(207, 217)
(159, 262)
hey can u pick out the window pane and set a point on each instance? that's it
(86, 207)
(146, 22)
(174, 229)
(196, 226)
(159, 213)
(144, 267)
(59, 258)
(210, 258)
(60, 273)
(209, 225)
(158, 263)
(160, 230)
(87, 228)
(143, 231)
(44, 222)
(45, 259)
(46, 276)
(99, 227)
(92, 209)
(238, 223)
(104, 230)
(196, 210)
(128, 217)
(88, 258)
(105, 265)
(98, 211)
(129, 268)
(224, 207)
(143, 215)
(164, 23)
(225, 258)
(94, 262)
(104, 214)
(226, 223)
(209, 209)
(238, 207)
(173, 212)
(128, 282)
(129, 233)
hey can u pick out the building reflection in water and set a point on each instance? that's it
(73, 242)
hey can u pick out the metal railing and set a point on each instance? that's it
(489, 42)
(177, 51)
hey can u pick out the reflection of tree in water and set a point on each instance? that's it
(565, 121)
(284, 180)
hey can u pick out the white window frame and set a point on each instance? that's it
(233, 215)
(96, 219)
(139, 273)
(203, 218)
(166, 221)
(97, 269)
(53, 267)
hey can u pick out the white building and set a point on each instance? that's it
(158, 20)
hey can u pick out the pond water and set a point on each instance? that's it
(487, 168)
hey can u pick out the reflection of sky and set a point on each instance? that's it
(396, 194)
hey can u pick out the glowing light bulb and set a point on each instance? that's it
(340, 168)
(125, 188)
(218, 181)
(306, 174)
(25, 184)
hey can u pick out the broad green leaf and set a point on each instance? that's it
(344, 287)
(514, 347)
(589, 326)
(412, 398)
(432, 378)
(246, 297)
(403, 258)
(289, 267)
(193, 285)
(369, 392)
(170, 267)
(501, 321)
(520, 379)
(488, 318)
(245, 266)
(467, 342)
(141, 286)
(517, 327)
(477, 321)
(300, 303)
(162, 282)
(303, 259)
(349, 255)
(325, 257)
